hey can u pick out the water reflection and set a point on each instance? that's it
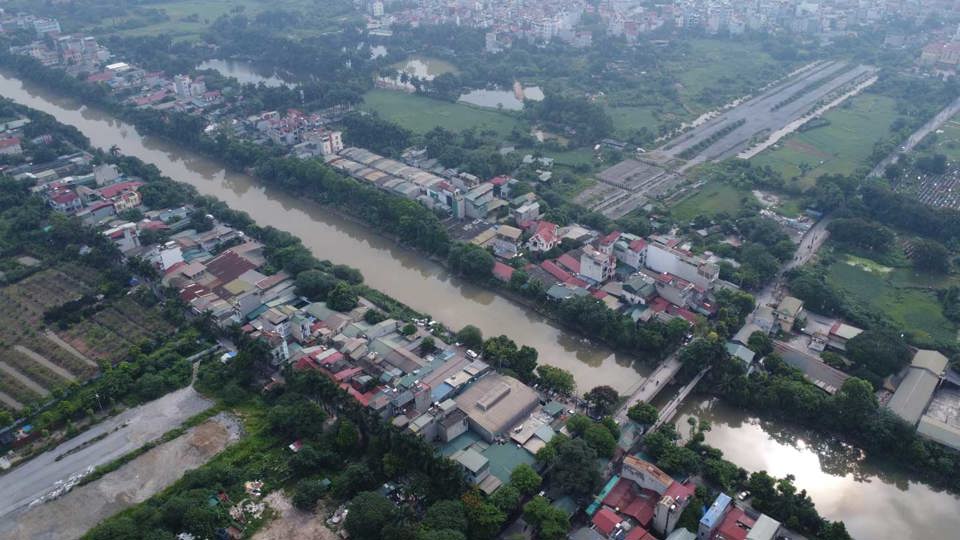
(244, 72)
(407, 276)
(874, 501)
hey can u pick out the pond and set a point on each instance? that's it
(503, 99)
(245, 72)
(424, 67)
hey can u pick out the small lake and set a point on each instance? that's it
(501, 99)
(424, 67)
(875, 502)
(245, 72)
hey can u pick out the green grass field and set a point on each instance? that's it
(712, 199)
(722, 69)
(421, 114)
(628, 119)
(189, 19)
(839, 148)
(900, 294)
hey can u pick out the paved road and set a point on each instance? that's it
(670, 409)
(767, 112)
(124, 433)
(933, 124)
(660, 378)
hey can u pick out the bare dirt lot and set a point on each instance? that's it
(76, 512)
(293, 523)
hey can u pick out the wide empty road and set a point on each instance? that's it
(124, 433)
(767, 112)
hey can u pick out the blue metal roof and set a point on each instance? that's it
(716, 511)
(440, 392)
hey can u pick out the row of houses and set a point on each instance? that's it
(643, 277)
(305, 133)
(645, 503)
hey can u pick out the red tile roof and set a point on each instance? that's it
(12, 141)
(632, 501)
(551, 268)
(305, 363)
(347, 373)
(680, 491)
(639, 533)
(363, 399)
(547, 231)
(228, 266)
(605, 521)
(111, 191)
(64, 198)
(569, 262)
(332, 359)
(100, 77)
(735, 526)
(610, 238)
(638, 244)
(502, 271)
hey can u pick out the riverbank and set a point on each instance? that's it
(407, 276)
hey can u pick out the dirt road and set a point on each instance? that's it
(75, 513)
(293, 523)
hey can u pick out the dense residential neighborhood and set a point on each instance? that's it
(662, 326)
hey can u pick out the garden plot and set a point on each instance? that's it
(34, 360)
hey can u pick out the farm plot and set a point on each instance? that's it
(109, 334)
(35, 360)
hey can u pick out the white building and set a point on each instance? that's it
(664, 258)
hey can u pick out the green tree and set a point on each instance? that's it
(760, 343)
(347, 437)
(930, 256)
(484, 519)
(446, 515)
(307, 493)
(602, 399)
(470, 337)
(551, 522)
(315, 284)
(575, 468)
(506, 498)
(342, 298)
(557, 379)
(525, 479)
(428, 345)
(600, 439)
(644, 414)
(369, 513)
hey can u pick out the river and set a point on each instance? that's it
(402, 273)
(873, 502)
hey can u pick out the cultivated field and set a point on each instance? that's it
(839, 147)
(421, 114)
(34, 360)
